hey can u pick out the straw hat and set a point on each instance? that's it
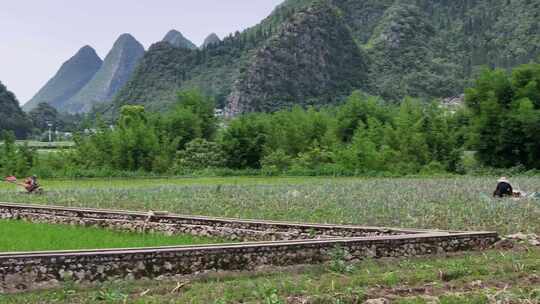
(503, 180)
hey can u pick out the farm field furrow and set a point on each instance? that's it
(19, 236)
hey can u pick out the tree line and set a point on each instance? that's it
(499, 126)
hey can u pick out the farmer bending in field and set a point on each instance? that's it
(504, 188)
(30, 184)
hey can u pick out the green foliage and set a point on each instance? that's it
(297, 131)
(191, 118)
(314, 158)
(271, 297)
(200, 154)
(357, 109)
(424, 49)
(338, 262)
(365, 135)
(243, 141)
(15, 159)
(202, 107)
(12, 118)
(132, 145)
(142, 141)
(276, 162)
(42, 115)
(506, 117)
(130, 115)
(19, 236)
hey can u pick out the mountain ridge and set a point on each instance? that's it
(177, 39)
(428, 49)
(284, 56)
(211, 39)
(12, 117)
(72, 76)
(115, 71)
(420, 48)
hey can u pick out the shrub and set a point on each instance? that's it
(278, 161)
(200, 154)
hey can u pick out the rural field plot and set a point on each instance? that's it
(463, 203)
(18, 236)
(457, 204)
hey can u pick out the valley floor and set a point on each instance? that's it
(463, 203)
(460, 203)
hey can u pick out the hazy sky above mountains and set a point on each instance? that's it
(36, 37)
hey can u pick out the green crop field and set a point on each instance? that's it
(462, 203)
(18, 236)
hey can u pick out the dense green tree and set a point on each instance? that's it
(299, 130)
(192, 117)
(12, 118)
(365, 135)
(357, 109)
(361, 155)
(134, 142)
(276, 161)
(131, 145)
(243, 141)
(15, 159)
(411, 144)
(42, 115)
(506, 116)
(203, 108)
(200, 154)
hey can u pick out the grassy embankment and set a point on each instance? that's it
(18, 236)
(491, 277)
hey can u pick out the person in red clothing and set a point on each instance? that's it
(31, 184)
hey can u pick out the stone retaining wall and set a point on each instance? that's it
(21, 271)
(232, 229)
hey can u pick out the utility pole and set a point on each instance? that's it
(50, 132)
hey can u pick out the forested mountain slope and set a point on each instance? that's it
(312, 59)
(316, 51)
(12, 118)
(70, 79)
(113, 74)
(176, 39)
(211, 39)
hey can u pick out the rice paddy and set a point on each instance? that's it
(462, 203)
(19, 236)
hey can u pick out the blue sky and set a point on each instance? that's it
(37, 36)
